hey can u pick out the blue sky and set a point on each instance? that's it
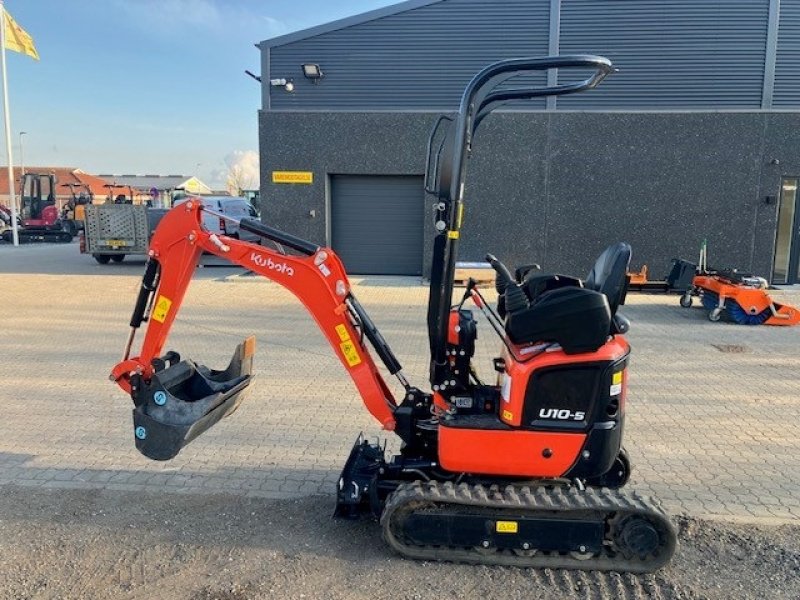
(147, 86)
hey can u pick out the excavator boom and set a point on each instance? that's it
(170, 393)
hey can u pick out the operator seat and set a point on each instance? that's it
(609, 276)
(559, 309)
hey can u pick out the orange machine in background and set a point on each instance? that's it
(739, 297)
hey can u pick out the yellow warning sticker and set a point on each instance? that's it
(453, 235)
(342, 331)
(617, 378)
(350, 353)
(508, 415)
(161, 309)
(507, 527)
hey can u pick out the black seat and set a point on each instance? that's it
(577, 317)
(609, 275)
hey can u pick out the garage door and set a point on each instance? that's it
(377, 223)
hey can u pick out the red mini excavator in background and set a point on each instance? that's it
(39, 219)
(523, 471)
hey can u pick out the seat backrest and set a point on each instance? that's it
(609, 275)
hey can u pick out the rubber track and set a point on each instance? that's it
(49, 237)
(513, 500)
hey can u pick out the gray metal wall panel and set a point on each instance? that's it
(376, 223)
(671, 53)
(418, 59)
(786, 93)
(556, 188)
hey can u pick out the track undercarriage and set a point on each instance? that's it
(31, 235)
(426, 514)
(545, 525)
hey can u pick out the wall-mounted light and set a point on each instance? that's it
(253, 75)
(286, 84)
(312, 72)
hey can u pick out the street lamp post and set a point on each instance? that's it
(21, 155)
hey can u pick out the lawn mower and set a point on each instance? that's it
(523, 471)
(736, 296)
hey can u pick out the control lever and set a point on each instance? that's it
(515, 298)
(503, 274)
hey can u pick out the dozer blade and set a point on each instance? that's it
(186, 399)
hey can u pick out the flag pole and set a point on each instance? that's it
(11, 194)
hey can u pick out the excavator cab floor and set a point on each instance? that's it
(185, 399)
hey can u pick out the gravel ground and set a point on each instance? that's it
(82, 544)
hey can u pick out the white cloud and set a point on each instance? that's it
(241, 171)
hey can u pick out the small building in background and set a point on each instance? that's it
(161, 189)
(69, 180)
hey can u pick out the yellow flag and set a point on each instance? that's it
(17, 39)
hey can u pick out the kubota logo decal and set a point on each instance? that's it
(561, 414)
(267, 262)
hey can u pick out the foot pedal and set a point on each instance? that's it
(186, 399)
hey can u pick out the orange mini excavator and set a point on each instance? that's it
(524, 471)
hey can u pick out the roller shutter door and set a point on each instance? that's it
(377, 223)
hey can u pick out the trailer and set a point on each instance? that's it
(678, 280)
(114, 231)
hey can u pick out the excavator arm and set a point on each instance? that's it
(175, 400)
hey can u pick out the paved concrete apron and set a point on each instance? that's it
(713, 420)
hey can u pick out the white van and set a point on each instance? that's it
(231, 206)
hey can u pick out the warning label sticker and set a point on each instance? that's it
(341, 331)
(350, 353)
(507, 527)
(161, 309)
(616, 384)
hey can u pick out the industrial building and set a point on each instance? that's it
(695, 138)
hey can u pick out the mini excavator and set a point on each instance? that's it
(39, 216)
(526, 471)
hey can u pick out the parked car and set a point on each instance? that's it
(231, 206)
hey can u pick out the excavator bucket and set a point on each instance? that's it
(186, 399)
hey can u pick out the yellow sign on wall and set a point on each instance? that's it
(292, 177)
